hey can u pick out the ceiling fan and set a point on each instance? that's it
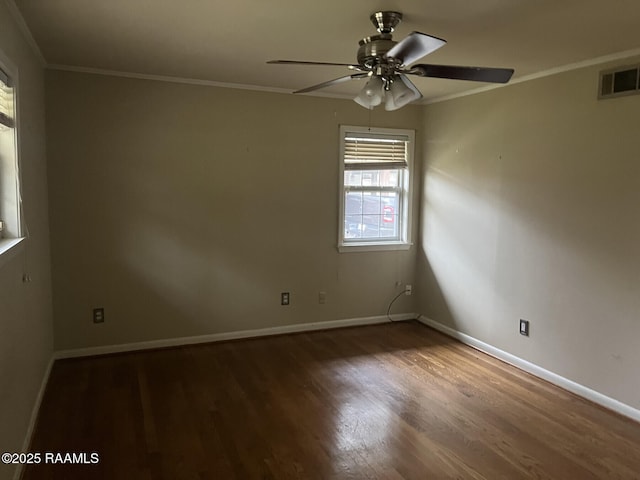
(387, 63)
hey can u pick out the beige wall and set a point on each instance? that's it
(186, 210)
(25, 308)
(530, 210)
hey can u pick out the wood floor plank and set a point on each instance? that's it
(397, 401)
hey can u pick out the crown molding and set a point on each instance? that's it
(545, 73)
(183, 80)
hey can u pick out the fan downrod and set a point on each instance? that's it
(386, 22)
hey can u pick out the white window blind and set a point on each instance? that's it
(368, 151)
(6, 101)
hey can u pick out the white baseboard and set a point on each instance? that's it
(217, 337)
(570, 385)
(34, 415)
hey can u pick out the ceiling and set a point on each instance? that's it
(229, 42)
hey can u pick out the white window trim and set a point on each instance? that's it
(407, 207)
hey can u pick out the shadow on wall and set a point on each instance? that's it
(433, 303)
(202, 222)
(458, 239)
(196, 223)
(210, 239)
(461, 186)
(186, 210)
(535, 218)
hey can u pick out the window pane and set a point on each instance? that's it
(353, 203)
(371, 226)
(353, 178)
(390, 178)
(372, 178)
(371, 203)
(9, 181)
(390, 202)
(389, 226)
(353, 226)
(372, 215)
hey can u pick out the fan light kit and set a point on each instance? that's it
(386, 64)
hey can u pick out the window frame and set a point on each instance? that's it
(13, 236)
(403, 241)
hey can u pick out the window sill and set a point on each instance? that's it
(373, 247)
(9, 247)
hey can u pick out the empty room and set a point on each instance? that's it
(319, 240)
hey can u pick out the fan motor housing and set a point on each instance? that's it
(372, 49)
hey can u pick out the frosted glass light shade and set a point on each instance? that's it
(371, 93)
(401, 92)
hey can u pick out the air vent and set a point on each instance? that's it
(619, 82)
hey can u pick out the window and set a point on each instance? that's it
(10, 227)
(375, 172)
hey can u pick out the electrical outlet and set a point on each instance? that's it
(322, 297)
(524, 327)
(408, 289)
(98, 315)
(284, 298)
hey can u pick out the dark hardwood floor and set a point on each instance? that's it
(393, 401)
